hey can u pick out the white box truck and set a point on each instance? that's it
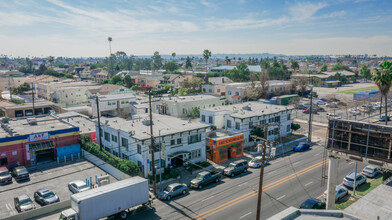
(114, 199)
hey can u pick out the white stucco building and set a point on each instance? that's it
(242, 117)
(113, 104)
(180, 140)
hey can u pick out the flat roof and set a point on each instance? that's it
(21, 126)
(116, 97)
(189, 98)
(30, 105)
(309, 214)
(167, 125)
(85, 124)
(220, 134)
(242, 110)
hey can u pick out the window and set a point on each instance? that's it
(194, 138)
(172, 142)
(210, 119)
(114, 138)
(277, 119)
(109, 103)
(196, 154)
(204, 89)
(288, 116)
(179, 140)
(107, 136)
(124, 142)
(139, 149)
(228, 124)
(218, 90)
(229, 92)
(213, 105)
(203, 118)
(237, 93)
(276, 131)
(251, 124)
(209, 90)
(237, 126)
(288, 128)
(270, 120)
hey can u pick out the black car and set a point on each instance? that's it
(20, 173)
(312, 204)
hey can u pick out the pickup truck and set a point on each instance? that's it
(205, 178)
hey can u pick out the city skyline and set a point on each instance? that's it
(81, 29)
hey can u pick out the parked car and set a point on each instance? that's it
(205, 178)
(332, 105)
(366, 108)
(333, 116)
(45, 197)
(20, 173)
(302, 146)
(256, 162)
(324, 100)
(354, 111)
(173, 190)
(342, 103)
(320, 102)
(23, 203)
(307, 111)
(333, 100)
(320, 109)
(371, 171)
(301, 107)
(5, 176)
(349, 180)
(78, 186)
(312, 204)
(235, 168)
(382, 118)
(341, 192)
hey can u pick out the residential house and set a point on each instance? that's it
(101, 76)
(216, 86)
(241, 118)
(182, 106)
(108, 89)
(224, 68)
(175, 140)
(114, 105)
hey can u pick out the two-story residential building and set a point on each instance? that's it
(216, 86)
(181, 106)
(175, 140)
(114, 105)
(241, 118)
(108, 89)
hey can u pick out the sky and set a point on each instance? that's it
(74, 28)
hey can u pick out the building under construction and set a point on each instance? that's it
(360, 140)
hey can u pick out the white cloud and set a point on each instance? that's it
(305, 10)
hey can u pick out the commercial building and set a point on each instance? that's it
(241, 118)
(179, 140)
(26, 109)
(28, 141)
(182, 106)
(86, 125)
(224, 144)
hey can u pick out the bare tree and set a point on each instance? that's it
(264, 84)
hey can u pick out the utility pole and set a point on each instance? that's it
(152, 146)
(265, 140)
(32, 93)
(99, 123)
(9, 86)
(310, 113)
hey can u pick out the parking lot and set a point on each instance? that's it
(52, 176)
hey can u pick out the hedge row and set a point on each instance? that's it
(126, 166)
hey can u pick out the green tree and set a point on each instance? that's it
(157, 61)
(41, 69)
(128, 81)
(339, 66)
(188, 63)
(365, 72)
(171, 66)
(294, 65)
(195, 113)
(51, 60)
(382, 77)
(173, 55)
(116, 79)
(323, 68)
(206, 56)
(22, 88)
(240, 73)
(295, 126)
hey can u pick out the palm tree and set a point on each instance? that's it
(173, 55)
(110, 45)
(382, 77)
(206, 55)
(51, 60)
(294, 65)
(110, 56)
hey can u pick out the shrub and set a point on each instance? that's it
(126, 166)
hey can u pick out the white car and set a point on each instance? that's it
(341, 192)
(333, 116)
(320, 102)
(354, 111)
(256, 162)
(78, 186)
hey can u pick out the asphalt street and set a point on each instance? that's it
(288, 181)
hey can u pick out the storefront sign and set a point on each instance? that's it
(231, 140)
(38, 137)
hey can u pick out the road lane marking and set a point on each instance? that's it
(243, 184)
(281, 197)
(8, 208)
(253, 193)
(207, 198)
(296, 162)
(246, 215)
(309, 183)
(319, 196)
(351, 163)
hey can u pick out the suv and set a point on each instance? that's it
(235, 168)
(20, 173)
(5, 176)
